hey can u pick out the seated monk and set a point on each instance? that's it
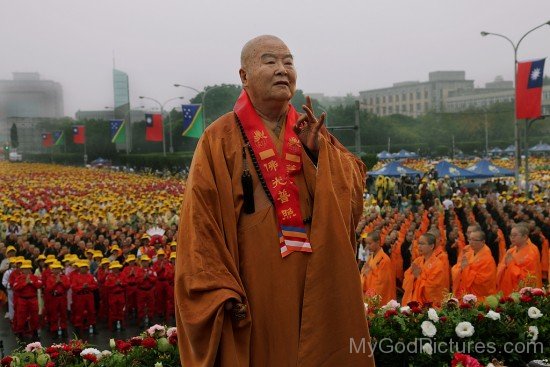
(377, 275)
(476, 272)
(424, 281)
(521, 265)
(441, 254)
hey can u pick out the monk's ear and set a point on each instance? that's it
(244, 77)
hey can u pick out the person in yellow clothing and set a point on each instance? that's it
(377, 275)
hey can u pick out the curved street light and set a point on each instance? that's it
(204, 93)
(161, 105)
(515, 46)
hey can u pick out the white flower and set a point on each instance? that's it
(112, 343)
(87, 351)
(405, 309)
(490, 365)
(31, 347)
(158, 364)
(432, 315)
(171, 331)
(464, 329)
(428, 349)
(469, 298)
(106, 353)
(392, 304)
(428, 329)
(156, 328)
(534, 332)
(493, 315)
(534, 313)
(366, 308)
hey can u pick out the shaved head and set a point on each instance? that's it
(251, 48)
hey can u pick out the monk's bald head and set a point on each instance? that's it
(251, 48)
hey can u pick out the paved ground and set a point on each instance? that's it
(99, 341)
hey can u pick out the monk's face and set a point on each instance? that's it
(268, 74)
(424, 246)
(516, 238)
(372, 245)
(476, 242)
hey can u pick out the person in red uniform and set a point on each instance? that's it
(170, 271)
(26, 287)
(129, 273)
(101, 275)
(11, 281)
(115, 285)
(146, 279)
(57, 284)
(83, 285)
(161, 286)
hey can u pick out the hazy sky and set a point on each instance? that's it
(340, 46)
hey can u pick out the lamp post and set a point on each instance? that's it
(161, 105)
(515, 46)
(204, 93)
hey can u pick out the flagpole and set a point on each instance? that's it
(85, 144)
(161, 105)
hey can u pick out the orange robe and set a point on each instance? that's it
(479, 277)
(397, 261)
(442, 255)
(524, 270)
(501, 245)
(544, 263)
(299, 313)
(429, 286)
(380, 278)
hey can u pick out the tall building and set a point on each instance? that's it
(415, 98)
(28, 98)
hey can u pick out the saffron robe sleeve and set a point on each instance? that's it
(478, 277)
(524, 268)
(429, 287)
(300, 313)
(380, 279)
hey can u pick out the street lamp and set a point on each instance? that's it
(204, 93)
(515, 46)
(161, 105)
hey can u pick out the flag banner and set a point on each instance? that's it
(47, 140)
(58, 138)
(118, 131)
(153, 127)
(192, 120)
(79, 134)
(529, 89)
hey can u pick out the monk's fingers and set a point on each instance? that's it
(320, 122)
(311, 119)
(308, 103)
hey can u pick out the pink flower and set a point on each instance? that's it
(33, 346)
(469, 298)
(157, 330)
(464, 360)
(171, 331)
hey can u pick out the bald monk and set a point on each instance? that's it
(476, 272)
(266, 272)
(521, 264)
(378, 274)
(441, 254)
(424, 281)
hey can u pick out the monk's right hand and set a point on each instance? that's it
(238, 310)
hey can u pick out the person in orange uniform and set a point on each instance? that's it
(115, 286)
(424, 281)
(83, 285)
(521, 265)
(57, 284)
(161, 285)
(146, 279)
(129, 274)
(377, 275)
(476, 271)
(25, 288)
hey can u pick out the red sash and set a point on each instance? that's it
(278, 173)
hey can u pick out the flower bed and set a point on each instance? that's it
(513, 330)
(157, 346)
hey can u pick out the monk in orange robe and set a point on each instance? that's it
(239, 301)
(424, 280)
(476, 272)
(521, 265)
(377, 274)
(441, 253)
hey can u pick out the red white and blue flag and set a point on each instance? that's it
(79, 134)
(529, 89)
(47, 140)
(153, 127)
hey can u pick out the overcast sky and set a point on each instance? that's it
(340, 46)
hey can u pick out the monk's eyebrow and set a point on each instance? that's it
(269, 55)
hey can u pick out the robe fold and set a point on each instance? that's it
(479, 277)
(524, 270)
(380, 279)
(429, 286)
(302, 309)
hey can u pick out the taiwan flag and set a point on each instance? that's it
(79, 134)
(47, 140)
(529, 89)
(153, 127)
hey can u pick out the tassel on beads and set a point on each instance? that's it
(248, 189)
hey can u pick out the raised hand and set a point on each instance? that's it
(308, 126)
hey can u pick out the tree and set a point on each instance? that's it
(14, 137)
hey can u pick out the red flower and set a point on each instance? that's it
(443, 318)
(464, 360)
(6, 361)
(173, 339)
(135, 341)
(51, 350)
(32, 365)
(416, 310)
(390, 313)
(413, 304)
(537, 292)
(149, 342)
(66, 348)
(54, 355)
(90, 357)
(480, 317)
(465, 306)
(427, 304)
(76, 351)
(526, 298)
(50, 364)
(123, 346)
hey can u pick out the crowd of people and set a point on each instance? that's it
(457, 244)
